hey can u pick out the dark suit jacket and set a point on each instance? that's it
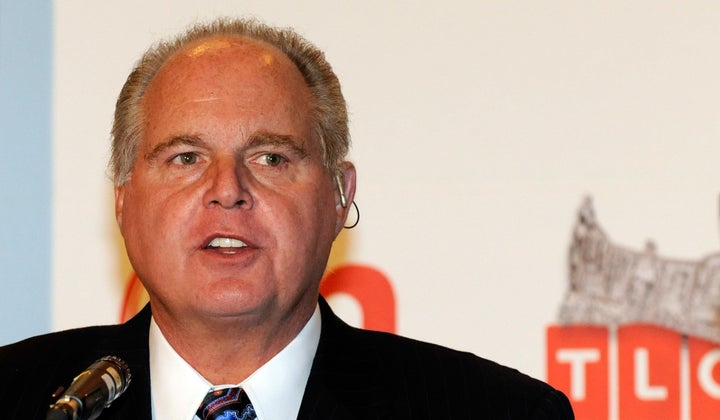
(356, 374)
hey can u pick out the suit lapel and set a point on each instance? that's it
(131, 344)
(346, 380)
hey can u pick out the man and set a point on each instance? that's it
(231, 186)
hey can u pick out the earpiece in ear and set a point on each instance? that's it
(343, 200)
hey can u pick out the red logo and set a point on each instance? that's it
(634, 372)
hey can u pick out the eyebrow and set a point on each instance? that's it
(173, 142)
(263, 138)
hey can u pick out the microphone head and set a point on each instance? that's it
(92, 390)
(120, 375)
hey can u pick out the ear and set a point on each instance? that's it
(344, 194)
(119, 201)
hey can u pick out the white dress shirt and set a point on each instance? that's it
(275, 389)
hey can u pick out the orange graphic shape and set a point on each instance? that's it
(370, 288)
(135, 298)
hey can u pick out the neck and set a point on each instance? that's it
(227, 351)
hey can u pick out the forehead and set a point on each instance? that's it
(246, 79)
(230, 53)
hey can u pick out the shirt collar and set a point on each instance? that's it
(275, 389)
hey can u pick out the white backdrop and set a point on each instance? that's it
(478, 127)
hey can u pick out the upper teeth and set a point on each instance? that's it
(226, 243)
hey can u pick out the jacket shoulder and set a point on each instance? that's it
(442, 362)
(32, 369)
(45, 345)
(468, 385)
(420, 380)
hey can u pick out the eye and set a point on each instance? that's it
(187, 158)
(271, 159)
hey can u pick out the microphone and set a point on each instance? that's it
(92, 390)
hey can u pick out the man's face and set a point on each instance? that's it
(229, 210)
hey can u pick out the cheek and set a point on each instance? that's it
(148, 215)
(318, 214)
(298, 218)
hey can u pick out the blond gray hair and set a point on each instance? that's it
(329, 112)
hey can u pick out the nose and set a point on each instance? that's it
(227, 186)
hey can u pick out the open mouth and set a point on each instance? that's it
(226, 245)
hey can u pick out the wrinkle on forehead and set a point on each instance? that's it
(208, 99)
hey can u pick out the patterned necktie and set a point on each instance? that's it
(226, 404)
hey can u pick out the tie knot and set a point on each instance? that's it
(226, 404)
